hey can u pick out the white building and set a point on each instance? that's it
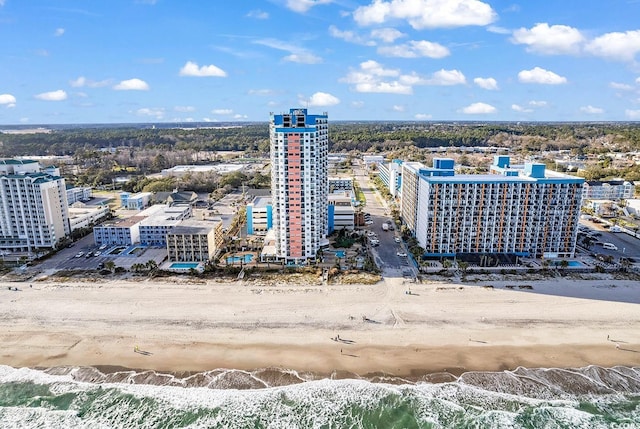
(299, 185)
(341, 211)
(340, 184)
(83, 216)
(521, 210)
(159, 220)
(182, 170)
(372, 159)
(34, 211)
(610, 190)
(78, 194)
(124, 232)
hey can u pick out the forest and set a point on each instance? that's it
(103, 153)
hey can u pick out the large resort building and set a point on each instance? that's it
(522, 210)
(34, 212)
(299, 184)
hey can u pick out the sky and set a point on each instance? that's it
(132, 61)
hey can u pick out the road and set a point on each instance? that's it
(385, 254)
(627, 245)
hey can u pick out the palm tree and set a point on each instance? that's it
(110, 265)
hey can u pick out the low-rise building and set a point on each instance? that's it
(182, 170)
(341, 211)
(259, 215)
(159, 221)
(136, 201)
(372, 159)
(195, 241)
(617, 189)
(391, 175)
(84, 216)
(124, 232)
(340, 184)
(78, 193)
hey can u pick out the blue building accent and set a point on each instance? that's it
(269, 216)
(331, 214)
(249, 219)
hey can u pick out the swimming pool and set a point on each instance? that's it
(184, 265)
(238, 259)
(573, 264)
(341, 253)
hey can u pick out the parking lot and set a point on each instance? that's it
(627, 246)
(68, 259)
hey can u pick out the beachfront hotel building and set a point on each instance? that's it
(195, 241)
(299, 184)
(523, 210)
(34, 213)
(391, 175)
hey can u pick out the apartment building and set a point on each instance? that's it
(299, 184)
(123, 232)
(195, 241)
(341, 211)
(608, 190)
(34, 211)
(524, 210)
(391, 175)
(259, 215)
(79, 194)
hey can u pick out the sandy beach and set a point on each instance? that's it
(174, 325)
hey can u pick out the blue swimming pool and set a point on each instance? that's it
(573, 264)
(237, 259)
(341, 253)
(184, 265)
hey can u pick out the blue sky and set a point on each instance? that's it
(99, 61)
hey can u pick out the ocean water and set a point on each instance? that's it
(84, 397)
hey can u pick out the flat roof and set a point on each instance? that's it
(261, 202)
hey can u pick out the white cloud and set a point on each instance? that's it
(387, 35)
(542, 76)
(415, 49)
(58, 95)
(258, 14)
(302, 6)
(520, 109)
(638, 80)
(8, 99)
(446, 78)
(616, 46)
(83, 81)
(184, 109)
(59, 32)
(479, 109)
(357, 104)
(498, 30)
(297, 54)
(303, 58)
(349, 36)
(397, 108)
(192, 69)
(427, 13)
(222, 111)
(591, 110)
(134, 84)
(550, 40)
(422, 116)
(538, 103)
(632, 114)
(239, 116)
(372, 77)
(262, 92)
(320, 99)
(486, 83)
(621, 86)
(156, 112)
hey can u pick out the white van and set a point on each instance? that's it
(609, 246)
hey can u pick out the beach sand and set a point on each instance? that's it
(181, 326)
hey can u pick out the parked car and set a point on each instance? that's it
(397, 239)
(79, 254)
(97, 253)
(402, 254)
(104, 246)
(88, 255)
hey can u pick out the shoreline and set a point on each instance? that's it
(439, 328)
